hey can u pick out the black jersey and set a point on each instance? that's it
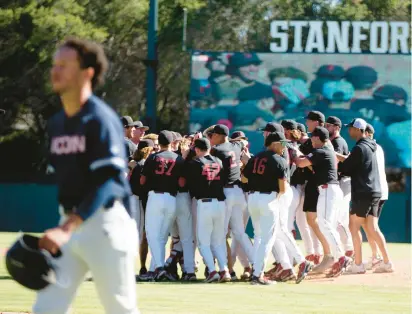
(229, 153)
(162, 171)
(264, 170)
(134, 180)
(204, 177)
(340, 146)
(324, 165)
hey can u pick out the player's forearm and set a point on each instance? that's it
(72, 223)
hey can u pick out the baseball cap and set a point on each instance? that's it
(334, 120)
(331, 71)
(301, 127)
(176, 136)
(275, 137)
(370, 129)
(390, 92)
(139, 125)
(273, 127)
(220, 129)
(127, 121)
(361, 77)
(357, 123)
(165, 137)
(145, 143)
(338, 91)
(316, 116)
(320, 132)
(202, 143)
(289, 125)
(238, 135)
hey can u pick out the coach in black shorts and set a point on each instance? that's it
(361, 165)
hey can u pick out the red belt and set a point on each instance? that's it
(325, 186)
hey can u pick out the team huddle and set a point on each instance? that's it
(202, 188)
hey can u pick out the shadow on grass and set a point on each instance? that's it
(6, 278)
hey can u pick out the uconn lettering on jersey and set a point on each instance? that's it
(68, 144)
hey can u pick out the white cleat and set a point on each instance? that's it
(355, 269)
(384, 268)
(373, 262)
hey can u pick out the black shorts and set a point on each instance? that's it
(311, 198)
(380, 206)
(364, 207)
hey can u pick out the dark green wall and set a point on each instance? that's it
(34, 208)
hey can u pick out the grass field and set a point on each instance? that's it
(369, 293)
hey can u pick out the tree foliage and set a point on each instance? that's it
(30, 30)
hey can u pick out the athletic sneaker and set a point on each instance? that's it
(172, 276)
(224, 276)
(373, 262)
(160, 274)
(233, 276)
(316, 259)
(340, 266)
(304, 268)
(354, 269)
(384, 268)
(327, 262)
(247, 273)
(213, 277)
(189, 277)
(274, 270)
(263, 281)
(286, 275)
(149, 276)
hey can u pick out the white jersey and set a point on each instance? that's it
(380, 157)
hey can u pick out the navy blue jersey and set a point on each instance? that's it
(88, 154)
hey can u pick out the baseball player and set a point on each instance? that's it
(334, 125)
(87, 152)
(129, 130)
(376, 259)
(324, 163)
(266, 174)
(229, 153)
(161, 173)
(361, 165)
(205, 178)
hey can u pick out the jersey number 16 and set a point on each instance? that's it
(259, 165)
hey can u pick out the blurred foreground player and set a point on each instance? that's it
(88, 155)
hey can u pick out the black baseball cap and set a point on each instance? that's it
(238, 135)
(139, 125)
(334, 120)
(301, 127)
(361, 77)
(275, 137)
(370, 129)
(220, 129)
(273, 127)
(127, 121)
(165, 138)
(145, 143)
(202, 143)
(320, 132)
(316, 116)
(289, 125)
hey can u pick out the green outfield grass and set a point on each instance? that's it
(370, 293)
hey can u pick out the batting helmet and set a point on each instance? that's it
(28, 265)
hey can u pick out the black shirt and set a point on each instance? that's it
(204, 177)
(340, 146)
(361, 165)
(324, 164)
(162, 171)
(306, 148)
(298, 175)
(134, 180)
(264, 170)
(229, 153)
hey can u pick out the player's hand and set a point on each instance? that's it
(245, 155)
(54, 239)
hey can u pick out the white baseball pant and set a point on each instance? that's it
(106, 244)
(160, 213)
(235, 205)
(284, 236)
(184, 222)
(211, 235)
(139, 216)
(264, 211)
(236, 250)
(343, 216)
(327, 209)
